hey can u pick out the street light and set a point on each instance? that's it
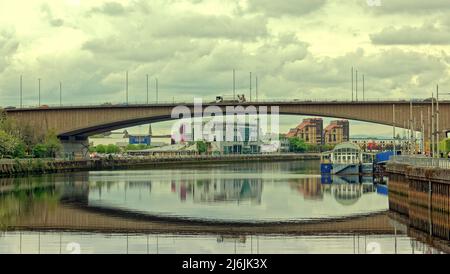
(411, 126)
(156, 88)
(60, 94)
(147, 89)
(21, 105)
(39, 91)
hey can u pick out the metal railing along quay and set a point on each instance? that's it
(421, 161)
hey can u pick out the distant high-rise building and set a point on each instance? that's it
(345, 127)
(333, 134)
(310, 130)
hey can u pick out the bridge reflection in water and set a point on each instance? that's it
(183, 212)
(61, 242)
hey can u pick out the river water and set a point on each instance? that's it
(278, 207)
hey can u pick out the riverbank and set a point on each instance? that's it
(41, 166)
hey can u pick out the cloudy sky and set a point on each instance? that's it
(298, 49)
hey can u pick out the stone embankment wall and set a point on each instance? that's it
(438, 175)
(41, 166)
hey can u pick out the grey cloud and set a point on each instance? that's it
(285, 7)
(391, 73)
(8, 46)
(426, 34)
(155, 39)
(110, 8)
(56, 22)
(194, 54)
(48, 16)
(409, 6)
(142, 48)
(208, 26)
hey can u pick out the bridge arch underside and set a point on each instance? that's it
(101, 128)
(84, 133)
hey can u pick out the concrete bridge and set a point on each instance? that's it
(74, 124)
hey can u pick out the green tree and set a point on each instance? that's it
(100, 149)
(92, 149)
(327, 147)
(297, 145)
(110, 149)
(52, 144)
(202, 147)
(25, 136)
(8, 144)
(445, 147)
(40, 151)
(31, 136)
(20, 150)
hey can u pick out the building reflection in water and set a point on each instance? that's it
(346, 190)
(220, 190)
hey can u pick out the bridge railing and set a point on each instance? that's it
(208, 100)
(421, 161)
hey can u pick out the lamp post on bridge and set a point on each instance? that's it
(352, 83)
(355, 93)
(156, 87)
(250, 86)
(39, 92)
(364, 96)
(60, 94)
(21, 105)
(256, 88)
(147, 89)
(411, 125)
(126, 87)
(356, 85)
(435, 114)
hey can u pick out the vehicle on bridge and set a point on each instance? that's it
(230, 99)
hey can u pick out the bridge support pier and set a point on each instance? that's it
(74, 147)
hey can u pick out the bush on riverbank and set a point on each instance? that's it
(105, 149)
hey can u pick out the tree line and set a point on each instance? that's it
(297, 144)
(114, 149)
(26, 141)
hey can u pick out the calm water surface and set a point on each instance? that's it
(190, 209)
